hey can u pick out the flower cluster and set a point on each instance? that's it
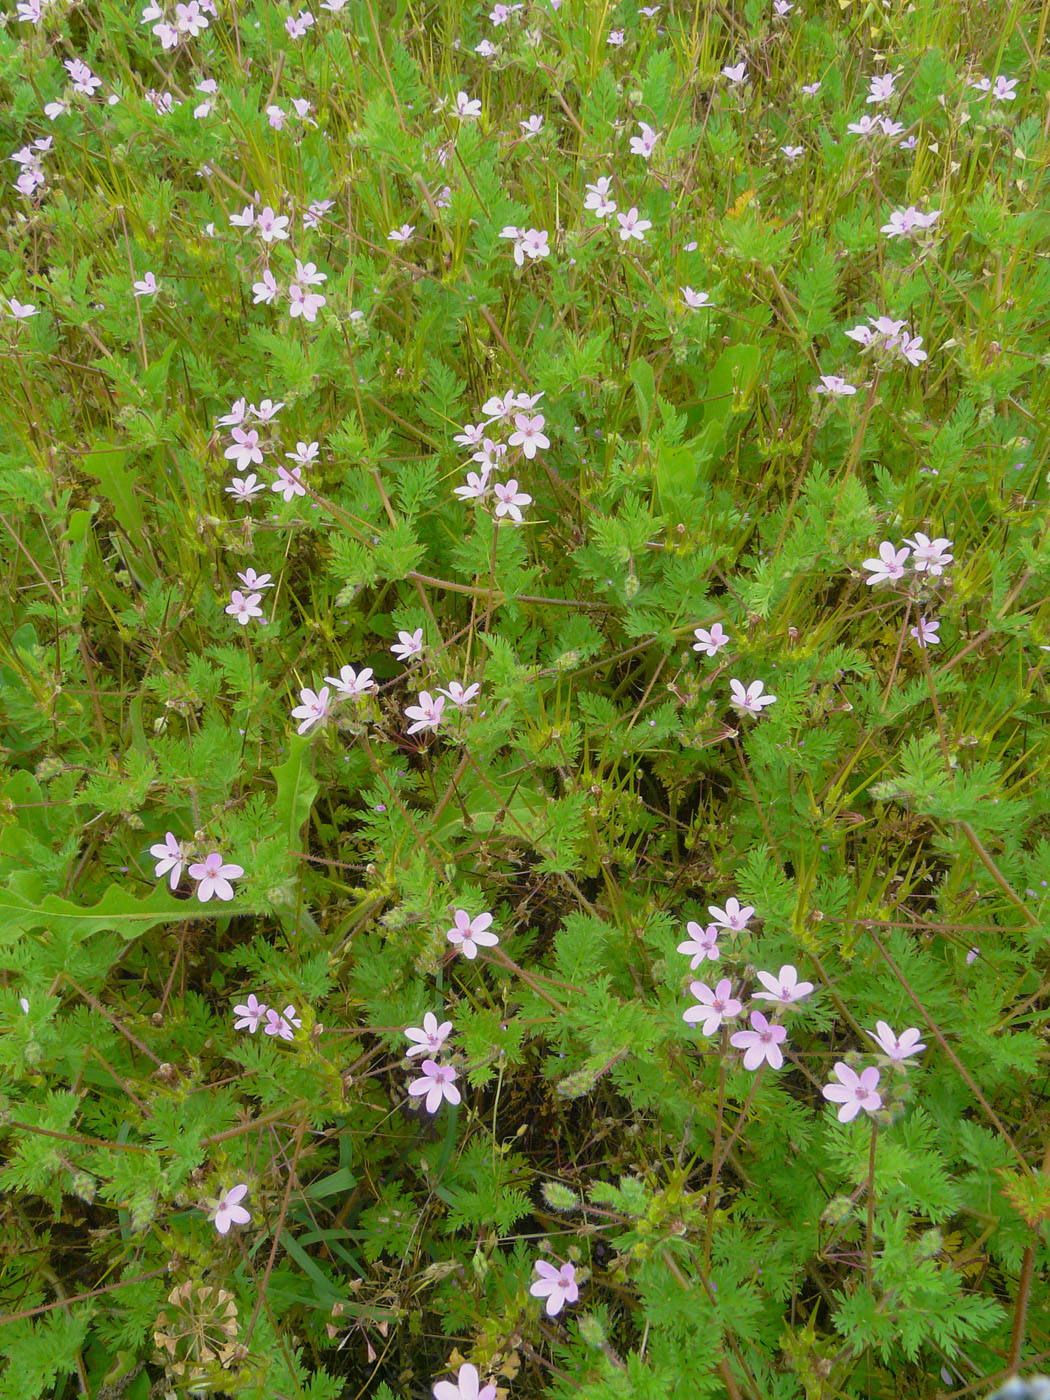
(187, 21)
(892, 337)
(928, 556)
(248, 446)
(904, 222)
(511, 410)
(32, 177)
(315, 706)
(213, 874)
(251, 1014)
(302, 301)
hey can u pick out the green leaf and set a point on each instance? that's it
(642, 378)
(24, 907)
(296, 790)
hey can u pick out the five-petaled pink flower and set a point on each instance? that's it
(510, 499)
(466, 1383)
(461, 695)
(558, 1286)
(245, 448)
(214, 876)
(244, 608)
(897, 1047)
(702, 943)
(760, 1043)
(228, 1210)
(470, 934)
(250, 1013)
(427, 714)
(751, 700)
(169, 857)
(784, 988)
(632, 226)
(437, 1082)
(282, 1023)
(888, 566)
(528, 434)
(408, 644)
(714, 1006)
(734, 916)
(710, 642)
(147, 287)
(430, 1037)
(925, 632)
(695, 300)
(836, 386)
(313, 709)
(351, 682)
(930, 556)
(853, 1091)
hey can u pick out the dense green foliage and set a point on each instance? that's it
(885, 815)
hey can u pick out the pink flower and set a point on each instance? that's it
(529, 435)
(289, 483)
(534, 243)
(710, 642)
(147, 287)
(430, 1036)
(1005, 89)
(253, 581)
(304, 303)
(471, 435)
(466, 1386)
(910, 348)
(881, 89)
(251, 1013)
(408, 644)
(784, 988)
(510, 499)
(236, 416)
(643, 145)
(760, 1043)
(402, 234)
(437, 1083)
(265, 290)
(470, 934)
(313, 710)
(245, 488)
(694, 300)
(282, 1023)
(836, 386)
(244, 449)
(897, 1047)
(631, 226)
(228, 1210)
(215, 877)
(297, 25)
(925, 633)
(714, 1006)
(476, 487)
(427, 714)
(271, 226)
(751, 700)
(244, 608)
(736, 73)
(811, 89)
(598, 197)
(888, 566)
(558, 1286)
(351, 682)
(854, 1091)
(460, 695)
(734, 916)
(467, 106)
(702, 943)
(930, 555)
(169, 857)
(20, 310)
